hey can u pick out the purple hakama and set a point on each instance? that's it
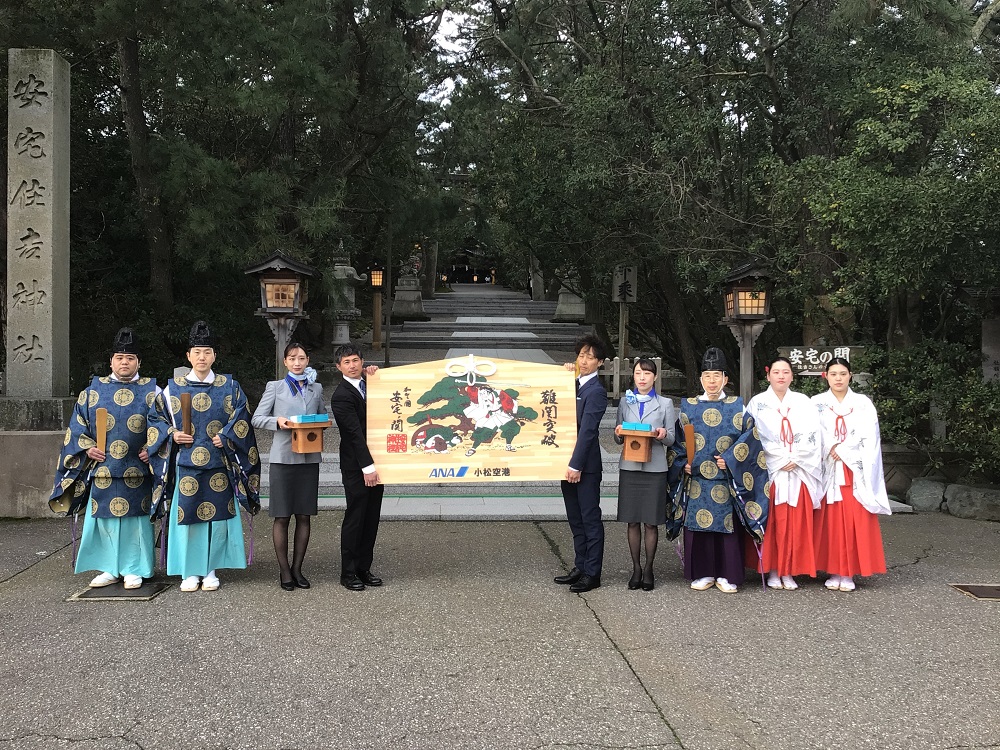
(714, 554)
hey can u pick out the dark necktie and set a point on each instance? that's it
(364, 390)
(578, 385)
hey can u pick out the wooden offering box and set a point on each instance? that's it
(307, 437)
(638, 445)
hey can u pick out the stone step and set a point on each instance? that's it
(497, 325)
(442, 342)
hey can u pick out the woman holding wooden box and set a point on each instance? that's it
(294, 476)
(642, 486)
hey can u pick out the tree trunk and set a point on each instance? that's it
(679, 322)
(160, 271)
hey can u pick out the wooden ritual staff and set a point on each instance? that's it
(689, 443)
(186, 425)
(102, 429)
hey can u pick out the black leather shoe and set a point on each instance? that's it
(572, 577)
(287, 585)
(368, 579)
(647, 585)
(300, 580)
(586, 583)
(635, 581)
(352, 582)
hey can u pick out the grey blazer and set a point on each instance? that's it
(278, 401)
(658, 412)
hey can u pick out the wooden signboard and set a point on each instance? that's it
(471, 419)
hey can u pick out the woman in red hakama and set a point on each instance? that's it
(848, 540)
(789, 429)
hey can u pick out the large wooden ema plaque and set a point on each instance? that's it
(471, 419)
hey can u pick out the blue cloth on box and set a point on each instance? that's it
(637, 426)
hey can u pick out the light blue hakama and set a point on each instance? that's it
(197, 548)
(119, 546)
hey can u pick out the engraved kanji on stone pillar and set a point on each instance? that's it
(37, 195)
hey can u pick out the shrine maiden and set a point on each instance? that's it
(789, 429)
(847, 536)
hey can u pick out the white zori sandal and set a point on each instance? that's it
(133, 582)
(210, 582)
(703, 584)
(102, 580)
(723, 585)
(191, 583)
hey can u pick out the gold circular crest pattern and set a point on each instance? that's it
(754, 510)
(756, 433)
(180, 381)
(143, 381)
(241, 428)
(227, 405)
(93, 507)
(102, 477)
(146, 505)
(748, 480)
(723, 443)
(720, 493)
(71, 462)
(93, 397)
(150, 398)
(134, 477)
(762, 460)
(79, 487)
(232, 506)
(693, 401)
(175, 405)
(730, 399)
(704, 518)
(678, 511)
(712, 417)
(219, 380)
(738, 421)
(157, 491)
(106, 379)
(200, 456)
(180, 514)
(69, 436)
(86, 442)
(699, 442)
(727, 522)
(164, 450)
(124, 397)
(741, 452)
(80, 420)
(685, 419)
(241, 488)
(671, 457)
(708, 469)
(136, 423)
(213, 428)
(82, 398)
(219, 482)
(694, 491)
(152, 435)
(188, 486)
(118, 449)
(118, 506)
(254, 456)
(767, 488)
(255, 482)
(205, 511)
(111, 422)
(201, 402)
(66, 483)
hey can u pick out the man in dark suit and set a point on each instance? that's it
(362, 485)
(582, 487)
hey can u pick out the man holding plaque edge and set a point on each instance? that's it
(581, 488)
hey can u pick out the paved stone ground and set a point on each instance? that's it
(470, 645)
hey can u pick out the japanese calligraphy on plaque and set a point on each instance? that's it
(471, 419)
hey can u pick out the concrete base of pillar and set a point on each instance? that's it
(570, 309)
(35, 413)
(27, 470)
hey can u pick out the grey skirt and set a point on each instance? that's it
(294, 490)
(642, 497)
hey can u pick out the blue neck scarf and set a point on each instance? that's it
(633, 398)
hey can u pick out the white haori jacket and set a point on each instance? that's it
(800, 442)
(851, 426)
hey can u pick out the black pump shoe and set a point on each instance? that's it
(635, 581)
(287, 585)
(300, 581)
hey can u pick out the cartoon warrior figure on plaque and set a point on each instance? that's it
(457, 411)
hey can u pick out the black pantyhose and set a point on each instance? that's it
(302, 528)
(652, 538)
(279, 535)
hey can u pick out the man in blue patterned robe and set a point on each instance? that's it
(203, 478)
(117, 537)
(728, 468)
